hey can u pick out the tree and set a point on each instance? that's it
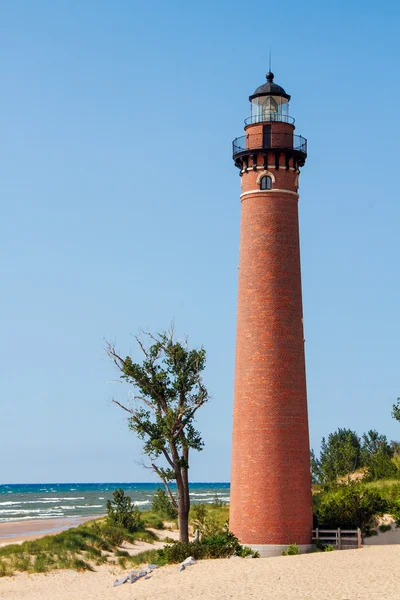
(316, 475)
(374, 443)
(169, 390)
(121, 512)
(396, 410)
(376, 455)
(340, 455)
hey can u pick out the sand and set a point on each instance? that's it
(371, 573)
(15, 532)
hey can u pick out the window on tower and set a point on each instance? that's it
(265, 183)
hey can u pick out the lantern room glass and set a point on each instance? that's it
(269, 108)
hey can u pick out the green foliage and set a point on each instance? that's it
(67, 550)
(217, 502)
(199, 513)
(170, 380)
(368, 531)
(151, 519)
(209, 520)
(5, 570)
(162, 505)
(340, 456)
(377, 454)
(169, 389)
(344, 453)
(384, 528)
(381, 466)
(122, 513)
(322, 547)
(113, 535)
(396, 410)
(291, 550)
(218, 546)
(348, 506)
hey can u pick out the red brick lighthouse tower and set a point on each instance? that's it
(271, 504)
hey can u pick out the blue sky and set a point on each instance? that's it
(120, 210)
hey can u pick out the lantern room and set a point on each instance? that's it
(269, 102)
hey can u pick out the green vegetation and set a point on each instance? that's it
(169, 390)
(83, 547)
(162, 505)
(292, 550)
(345, 454)
(396, 410)
(123, 514)
(348, 506)
(208, 519)
(97, 542)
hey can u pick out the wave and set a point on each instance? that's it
(203, 495)
(58, 499)
(22, 511)
(141, 503)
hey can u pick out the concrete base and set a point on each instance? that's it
(266, 550)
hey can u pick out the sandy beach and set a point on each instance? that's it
(15, 532)
(369, 573)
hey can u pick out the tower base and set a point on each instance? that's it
(267, 550)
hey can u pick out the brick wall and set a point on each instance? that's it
(270, 482)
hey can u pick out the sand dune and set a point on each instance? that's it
(371, 573)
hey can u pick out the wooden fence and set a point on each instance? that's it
(340, 538)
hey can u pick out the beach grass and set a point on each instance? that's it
(80, 548)
(97, 542)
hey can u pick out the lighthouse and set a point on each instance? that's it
(271, 504)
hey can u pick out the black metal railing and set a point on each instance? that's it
(268, 117)
(275, 141)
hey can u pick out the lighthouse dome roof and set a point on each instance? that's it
(270, 89)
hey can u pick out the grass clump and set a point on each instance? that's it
(209, 520)
(79, 548)
(291, 550)
(5, 570)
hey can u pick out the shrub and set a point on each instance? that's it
(292, 550)
(162, 505)
(348, 506)
(122, 513)
(384, 528)
(199, 513)
(207, 520)
(381, 466)
(40, 564)
(218, 546)
(329, 548)
(5, 570)
(113, 535)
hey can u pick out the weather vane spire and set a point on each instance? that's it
(270, 58)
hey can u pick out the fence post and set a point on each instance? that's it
(339, 541)
(317, 534)
(358, 537)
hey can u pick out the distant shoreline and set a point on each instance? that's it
(16, 532)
